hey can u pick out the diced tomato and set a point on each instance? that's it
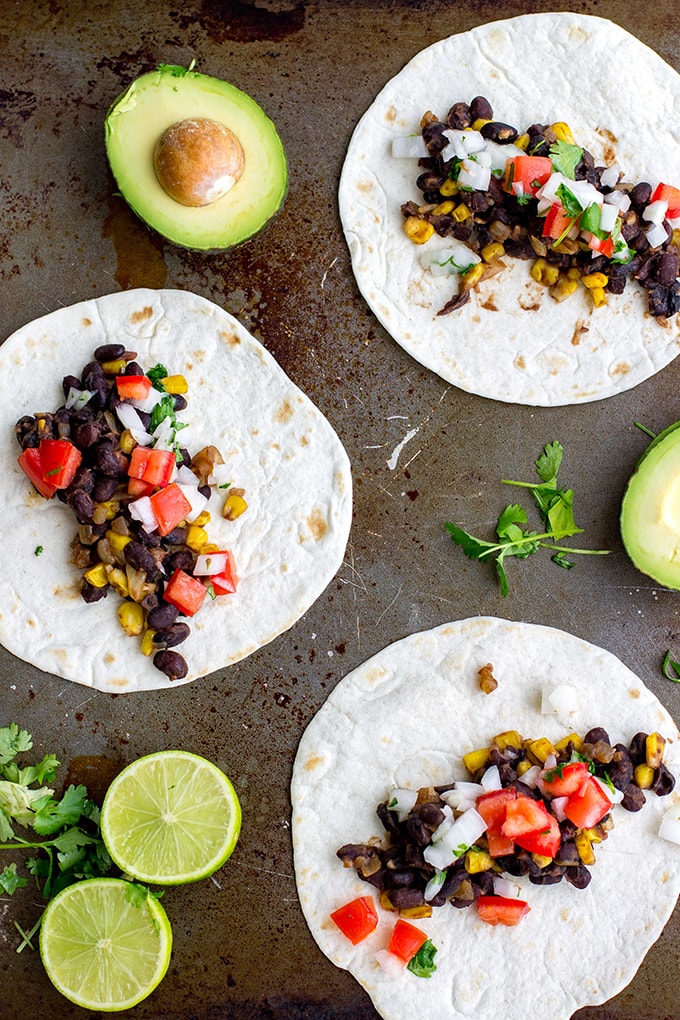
(492, 807)
(137, 488)
(565, 779)
(133, 387)
(59, 461)
(602, 245)
(406, 940)
(530, 171)
(588, 805)
(501, 910)
(667, 193)
(557, 221)
(185, 592)
(29, 462)
(226, 581)
(529, 823)
(170, 506)
(151, 465)
(357, 919)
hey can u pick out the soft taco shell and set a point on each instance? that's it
(405, 719)
(512, 341)
(284, 453)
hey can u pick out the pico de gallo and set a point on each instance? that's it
(113, 454)
(529, 808)
(495, 191)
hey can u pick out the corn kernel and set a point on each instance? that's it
(385, 901)
(418, 230)
(522, 141)
(596, 834)
(538, 750)
(118, 580)
(562, 132)
(473, 276)
(492, 251)
(675, 237)
(234, 506)
(541, 861)
(202, 519)
(478, 860)
(574, 273)
(175, 384)
(424, 910)
(592, 280)
(544, 273)
(476, 760)
(449, 187)
(106, 511)
(523, 766)
(444, 208)
(654, 748)
(97, 576)
(599, 296)
(117, 544)
(564, 288)
(461, 213)
(196, 538)
(147, 646)
(131, 618)
(126, 441)
(508, 738)
(575, 740)
(479, 123)
(644, 776)
(584, 847)
(210, 547)
(116, 367)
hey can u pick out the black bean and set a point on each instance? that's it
(90, 593)
(431, 814)
(667, 268)
(633, 798)
(104, 488)
(132, 368)
(480, 109)
(578, 877)
(172, 636)
(139, 557)
(397, 879)
(597, 733)
(110, 460)
(70, 382)
(496, 131)
(183, 559)
(170, 663)
(177, 536)
(664, 781)
(459, 116)
(640, 194)
(26, 432)
(82, 506)
(180, 402)
(164, 615)
(388, 818)
(402, 899)
(109, 352)
(87, 434)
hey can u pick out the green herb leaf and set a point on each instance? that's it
(671, 668)
(571, 204)
(565, 158)
(38, 550)
(156, 374)
(10, 881)
(12, 742)
(422, 964)
(52, 814)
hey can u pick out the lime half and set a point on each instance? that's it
(170, 817)
(103, 947)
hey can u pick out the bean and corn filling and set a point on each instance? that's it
(115, 546)
(582, 225)
(533, 773)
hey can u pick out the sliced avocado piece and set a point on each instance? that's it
(172, 96)
(650, 511)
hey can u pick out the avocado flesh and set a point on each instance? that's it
(159, 99)
(650, 512)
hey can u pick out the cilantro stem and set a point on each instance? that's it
(643, 428)
(502, 546)
(27, 936)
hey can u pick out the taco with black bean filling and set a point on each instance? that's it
(521, 335)
(275, 446)
(405, 720)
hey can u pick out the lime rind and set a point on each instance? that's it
(170, 817)
(100, 949)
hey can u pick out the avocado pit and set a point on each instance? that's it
(198, 161)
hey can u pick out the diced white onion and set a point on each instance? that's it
(609, 177)
(164, 435)
(531, 776)
(439, 855)
(197, 500)
(655, 211)
(548, 191)
(608, 217)
(402, 801)
(466, 829)
(491, 780)
(557, 806)
(615, 796)
(208, 564)
(506, 887)
(464, 795)
(550, 763)
(142, 510)
(409, 147)
(559, 700)
(484, 158)
(656, 235)
(472, 175)
(443, 826)
(148, 403)
(221, 475)
(129, 419)
(185, 476)
(620, 199)
(434, 885)
(670, 825)
(518, 188)
(391, 964)
(454, 258)
(78, 398)
(582, 191)
(500, 154)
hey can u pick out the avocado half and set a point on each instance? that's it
(169, 95)
(650, 511)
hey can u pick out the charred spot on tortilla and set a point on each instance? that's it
(87, 322)
(580, 329)
(317, 524)
(284, 413)
(142, 316)
(232, 339)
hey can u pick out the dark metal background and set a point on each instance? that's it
(242, 949)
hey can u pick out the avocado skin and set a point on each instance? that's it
(162, 97)
(650, 538)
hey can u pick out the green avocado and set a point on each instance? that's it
(172, 95)
(650, 511)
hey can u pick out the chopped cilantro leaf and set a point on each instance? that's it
(671, 668)
(422, 964)
(38, 549)
(571, 204)
(565, 158)
(156, 374)
(10, 880)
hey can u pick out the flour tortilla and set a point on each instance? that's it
(405, 719)
(282, 451)
(512, 341)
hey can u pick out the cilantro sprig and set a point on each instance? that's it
(671, 668)
(555, 506)
(422, 964)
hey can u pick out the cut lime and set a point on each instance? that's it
(103, 947)
(170, 817)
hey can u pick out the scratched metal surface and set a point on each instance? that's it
(241, 947)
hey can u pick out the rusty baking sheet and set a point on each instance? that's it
(242, 949)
